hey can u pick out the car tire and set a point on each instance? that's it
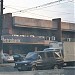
(56, 67)
(19, 70)
(33, 68)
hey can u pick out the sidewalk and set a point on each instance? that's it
(7, 67)
(4, 65)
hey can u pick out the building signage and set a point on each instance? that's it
(11, 40)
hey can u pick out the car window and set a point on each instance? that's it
(32, 55)
(16, 55)
(42, 54)
(57, 49)
(49, 54)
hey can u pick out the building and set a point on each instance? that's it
(22, 34)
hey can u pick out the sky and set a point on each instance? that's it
(41, 9)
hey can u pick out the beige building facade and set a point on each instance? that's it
(22, 34)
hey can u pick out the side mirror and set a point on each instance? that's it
(39, 57)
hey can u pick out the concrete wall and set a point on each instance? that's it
(7, 24)
(58, 32)
(33, 23)
(68, 26)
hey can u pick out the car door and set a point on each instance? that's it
(50, 59)
(41, 62)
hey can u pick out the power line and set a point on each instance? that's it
(42, 15)
(57, 11)
(53, 10)
(49, 18)
(42, 9)
(25, 10)
(37, 14)
(38, 6)
(10, 7)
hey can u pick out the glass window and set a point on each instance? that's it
(31, 55)
(42, 54)
(49, 54)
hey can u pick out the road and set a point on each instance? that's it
(40, 72)
(9, 69)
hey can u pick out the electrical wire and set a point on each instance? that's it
(10, 7)
(38, 6)
(38, 14)
(47, 10)
(47, 17)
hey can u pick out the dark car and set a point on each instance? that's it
(18, 57)
(40, 60)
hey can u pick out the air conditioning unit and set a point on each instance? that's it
(69, 39)
(53, 38)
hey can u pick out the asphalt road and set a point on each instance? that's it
(8, 69)
(41, 72)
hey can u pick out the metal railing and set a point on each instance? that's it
(69, 39)
(22, 39)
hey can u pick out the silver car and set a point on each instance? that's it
(7, 58)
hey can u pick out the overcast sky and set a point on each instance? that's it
(63, 9)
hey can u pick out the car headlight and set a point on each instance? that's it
(25, 64)
(16, 64)
(65, 64)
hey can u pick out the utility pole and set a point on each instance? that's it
(1, 23)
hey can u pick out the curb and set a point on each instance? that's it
(4, 65)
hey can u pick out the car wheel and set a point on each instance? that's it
(33, 68)
(56, 67)
(19, 70)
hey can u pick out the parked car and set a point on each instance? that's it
(7, 58)
(40, 60)
(10, 59)
(18, 57)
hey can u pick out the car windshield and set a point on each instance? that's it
(32, 55)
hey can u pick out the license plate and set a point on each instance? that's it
(19, 67)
